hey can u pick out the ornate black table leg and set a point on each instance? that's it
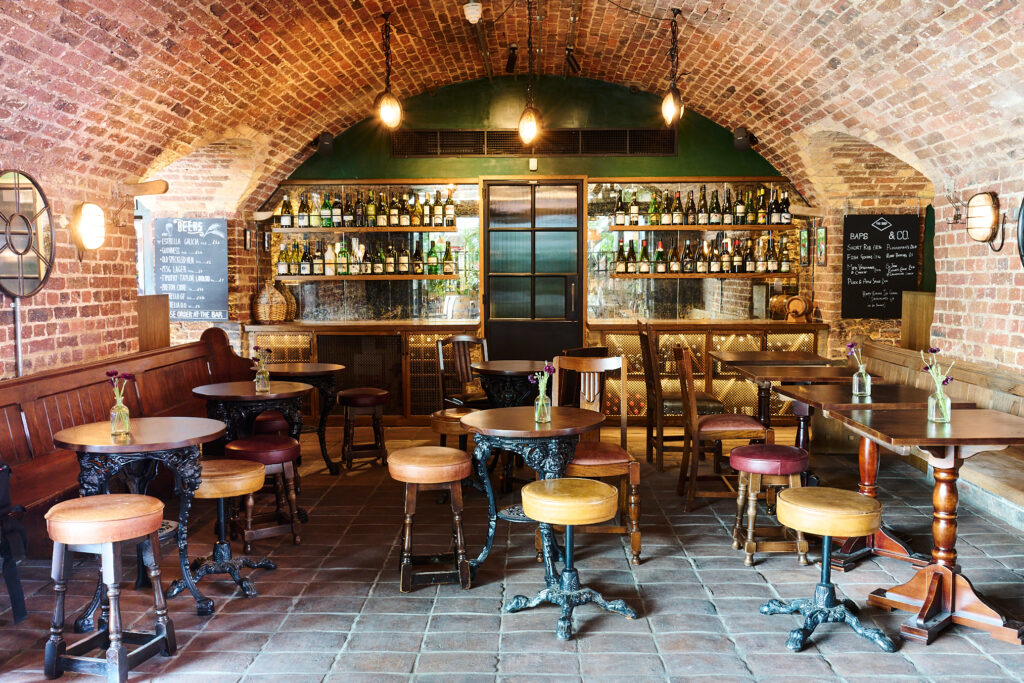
(508, 391)
(184, 463)
(328, 398)
(138, 475)
(481, 454)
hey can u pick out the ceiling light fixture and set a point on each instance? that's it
(389, 109)
(473, 11)
(513, 57)
(672, 105)
(570, 59)
(529, 122)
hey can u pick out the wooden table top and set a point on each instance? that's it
(771, 358)
(303, 369)
(828, 374)
(518, 422)
(147, 434)
(883, 397)
(246, 391)
(976, 427)
(508, 367)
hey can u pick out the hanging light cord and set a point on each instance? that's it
(673, 50)
(529, 48)
(385, 39)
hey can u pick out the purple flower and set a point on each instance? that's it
(127, 376)
(926, 368)
(533, 379)
(255, 348)
(933, 349)
(850, 351)
(947, 380)
(550, 369)
(851, 345)
(112, 373)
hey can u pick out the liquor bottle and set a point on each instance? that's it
(404, 215)
(737, 256)
(654, 210)
(282, 259)
(775, 210)
(761, 252)
(785, 265)
(394, 211)
(703, 215)
(771, 257)
(762, 208)
(620, 258)
(306, 264)
(739, 210)
(631, 266)
(749, 258)
(330, 260)
(379, 260)
(715, 210)
(416, 219)
(302, 217)
(438, 211)
(643, 265)
(751, 209)
(448, 260)
(348, 217)
(449, 210)
(675, 264)
(666, 208)
(786, 215)
(725, 257)
(417, 259)
(382, 211)
(359, 211)
(700, 260)
(691, 210)
(404, 262)
(678, 215)
(326, 215)
(660, 260)
(433, 267)
(620, 211)
(314, 212)
(634, 210)
(318, 259)
(390, 265)
(727, 215)
(286, 219)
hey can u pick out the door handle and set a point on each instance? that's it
(572, 296)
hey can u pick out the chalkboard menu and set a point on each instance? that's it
(191, 259)
(880, 254)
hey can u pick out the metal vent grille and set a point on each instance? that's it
(554, 142)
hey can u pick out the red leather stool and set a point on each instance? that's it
(763, 465)
(363, 401)
(271, 422)
(278, 455)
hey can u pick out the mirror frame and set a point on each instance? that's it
(5, 221)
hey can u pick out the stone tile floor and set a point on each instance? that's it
(332, 610)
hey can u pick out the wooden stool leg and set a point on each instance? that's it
(461, 563)
(164, 626)
(55, 646)
(741, 500)
(410, 510)
(463, 442)
(117, 654)
(444, 440)
(691, 486)
(349, 436)
(634, 510)
(801, 542)
(378, 433)
(288, 474)
(753, 488)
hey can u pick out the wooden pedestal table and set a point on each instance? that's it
(546, 447)
(507, 382)
(939, 594)
(173, 442)
(237, 404)
(324, 377)
(830, 397)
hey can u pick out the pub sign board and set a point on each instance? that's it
(191, 262)
(880, 256)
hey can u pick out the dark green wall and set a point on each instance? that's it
(705, 148)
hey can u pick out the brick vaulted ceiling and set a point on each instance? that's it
(118, 89)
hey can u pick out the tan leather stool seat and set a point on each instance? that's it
(271, 422)
(598, 453)
(827, 511)
(449, 420)
(363, 397)
(268, 450)
(227, 478)
(570, 501)
(104, 519)
(429, 465)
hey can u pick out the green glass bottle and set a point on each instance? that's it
(433, 266)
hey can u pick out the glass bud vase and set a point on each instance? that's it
(939, 407)
(262, 381)
(861, 382)
(542, 409)
(119, 419)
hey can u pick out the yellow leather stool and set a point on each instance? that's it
(827, 512)
(567, 502)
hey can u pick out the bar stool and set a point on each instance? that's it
(567, 502)
(278, 455)
(448, 422)
(98, 525)
(429, 468)
(223, 479)
(827, 512)
(271, 422)
(762, 465)
(363, 401)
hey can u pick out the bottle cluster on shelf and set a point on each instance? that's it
(666, 209)
(715, 257)
(352, 257)
(385, 210)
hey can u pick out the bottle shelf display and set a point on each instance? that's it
(337, 278)
(384, 209)
(698, 276)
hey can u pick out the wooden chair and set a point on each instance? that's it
(594, 459)
(664, 408)
(456, 379)
(702, 429)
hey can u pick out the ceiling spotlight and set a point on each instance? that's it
(510, 64)
(743, 139)
(570, 59)
(473, 11)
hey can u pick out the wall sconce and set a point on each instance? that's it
(89, 226)
(983, 219)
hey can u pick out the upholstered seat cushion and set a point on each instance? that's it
(104, 519)
(829, 512)
(363, 397)
(768, 459)
(449, 420)
(267, 449)
(469, 399)
(570, 501)
(727, 423)
(271, 422)
(597, 453)
(225, 478)
(429, 465)
(672, 402)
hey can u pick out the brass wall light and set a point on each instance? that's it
(89, 226)
(984, 220)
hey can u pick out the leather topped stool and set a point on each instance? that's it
(448, 422)
(432, 468)
(278, 455)
(271, 422)
(363, 401)
(567, 502)
(827, 512)
(223, 479)
(98, 525)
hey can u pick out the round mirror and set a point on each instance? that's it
(26, 235)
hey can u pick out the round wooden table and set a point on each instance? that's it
(323, 376)
(237, 404)
(507, 382)
(170, 441)
(546, 447)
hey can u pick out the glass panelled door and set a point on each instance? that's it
(533, 264)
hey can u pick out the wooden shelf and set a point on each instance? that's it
(304, 231)
(378, 278)
(699, 276)
(699, 228)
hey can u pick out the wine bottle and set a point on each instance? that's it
(725, 257)
(715, 210)
(700, 260)
(330, 261)
(314, 211)
(654, 210)
(620, 211)
(750, 259)
(366, 254)
(728, 218)
(775, 210)
(428, 210)
(739, 210)
(433, 267)
(634, 210)
(359, 211)
(688, 258)
(371, 210)
(379, 262)
(404, 217)
(302, 217)
(448, 260)
(660, 260)
(326, 218)
(691, 210)
(282, 259)
(666, 208)
(449, 210)
(318, 258)
(390, 265)
(349, 214)
(762, 261)
(286, 219)
(714, 260)
(751, 208)
(631, 266)
(771, 257)
(678, 214)
(306, 264)
(383, 211)
(737, 256)
(417, 259)
(341, 257)
(643, 264)
(785, 265)
(620, 257)
(703, 215)
(438, 211)
(294, 259)
(416, 220)
(762, 208)
(675, 264)
(404, 262)
(394, 211)
(786, 214)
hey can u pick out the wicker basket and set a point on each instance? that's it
(291, 305)
(269, 305)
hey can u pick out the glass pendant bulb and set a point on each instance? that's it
(389, 109)
(672, 106)
(529, 125)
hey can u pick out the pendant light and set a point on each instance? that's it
(389, 109)
(672, 105)
(529, 122)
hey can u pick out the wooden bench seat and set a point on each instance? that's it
(35, 407)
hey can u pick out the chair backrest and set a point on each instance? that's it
(649, 357)
(456, 374)
(592, 382)
(569, 383)
(684, 365)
